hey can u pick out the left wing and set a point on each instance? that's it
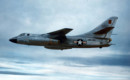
(60, 34)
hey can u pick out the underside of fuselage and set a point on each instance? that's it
(70, 47)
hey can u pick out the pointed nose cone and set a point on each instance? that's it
(13, 40)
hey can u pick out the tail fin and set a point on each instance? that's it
(104, 30)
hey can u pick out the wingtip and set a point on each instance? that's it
(68, 28)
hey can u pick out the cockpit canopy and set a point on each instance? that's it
(24, 34)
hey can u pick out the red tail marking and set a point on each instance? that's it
(109, 21)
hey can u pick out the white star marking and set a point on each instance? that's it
(79, 42)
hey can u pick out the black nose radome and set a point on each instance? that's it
(13, 40)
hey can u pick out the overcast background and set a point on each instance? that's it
(21, 62)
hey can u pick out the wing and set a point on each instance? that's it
(60, 34)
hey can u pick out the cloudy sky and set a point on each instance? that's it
(21, 62)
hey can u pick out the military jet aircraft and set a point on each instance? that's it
(96, 38)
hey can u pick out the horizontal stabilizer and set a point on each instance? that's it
(104, 31)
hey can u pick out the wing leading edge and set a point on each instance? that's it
(61, 31)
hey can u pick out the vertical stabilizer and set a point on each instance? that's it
(104, 30)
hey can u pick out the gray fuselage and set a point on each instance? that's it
(69, 42)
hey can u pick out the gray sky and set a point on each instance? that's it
(20, 62)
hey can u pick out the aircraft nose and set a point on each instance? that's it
(13, 40)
